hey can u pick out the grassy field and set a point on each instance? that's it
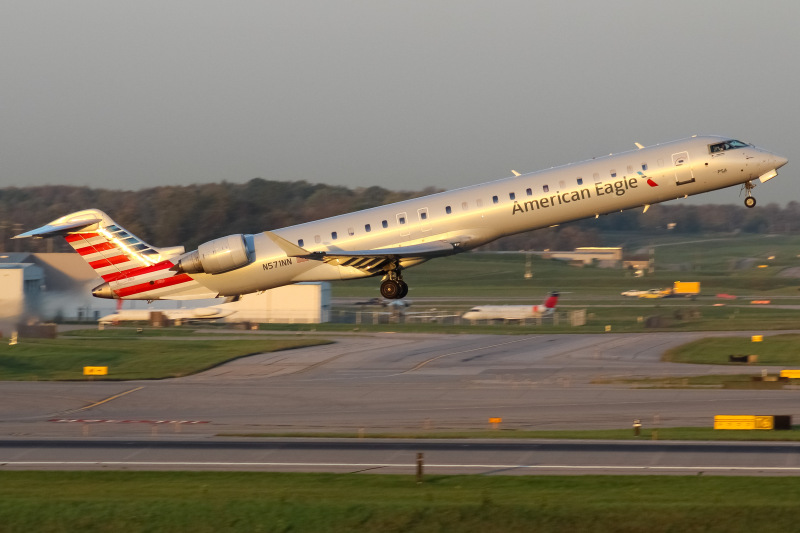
(728, 264)
(139, 357)
(751, 268)
(215, 502)
(780, 350)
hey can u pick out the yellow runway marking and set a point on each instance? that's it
(101, 402)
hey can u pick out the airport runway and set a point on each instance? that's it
(396, 456)
(396, 383)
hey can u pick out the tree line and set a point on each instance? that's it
(192, 214)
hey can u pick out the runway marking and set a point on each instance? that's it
(367, 466)
(101, 402)
(115, 421)
(432, 359)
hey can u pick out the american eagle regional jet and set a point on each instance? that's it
(384, 241)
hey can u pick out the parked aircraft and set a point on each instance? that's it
(513, 312)
(385, 241)
(186, 315)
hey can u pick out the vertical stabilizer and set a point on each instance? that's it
(130, 267)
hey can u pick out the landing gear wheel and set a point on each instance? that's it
(390, 289)
(403, 289)
(750, 201)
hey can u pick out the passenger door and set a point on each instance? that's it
(683, 170)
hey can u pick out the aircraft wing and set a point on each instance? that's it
(369, 260)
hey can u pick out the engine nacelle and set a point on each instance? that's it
(218, 256)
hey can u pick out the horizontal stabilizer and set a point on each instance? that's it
(52, 230)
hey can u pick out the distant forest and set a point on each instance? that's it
(190, 215)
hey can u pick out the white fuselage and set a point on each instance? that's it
(472, 216)
(507, 312)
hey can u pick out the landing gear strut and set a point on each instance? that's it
(393, 287)
(749, 201)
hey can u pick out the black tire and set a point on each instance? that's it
(403, 289)
(750, 202)
(390, 289)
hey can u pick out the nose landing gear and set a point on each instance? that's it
(749, 201)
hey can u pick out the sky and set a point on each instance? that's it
(399, 94)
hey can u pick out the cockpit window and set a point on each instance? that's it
(727, 145)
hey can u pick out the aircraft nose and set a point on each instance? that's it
(780, 161)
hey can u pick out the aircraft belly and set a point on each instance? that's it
(258, 276)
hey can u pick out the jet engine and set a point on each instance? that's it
(218, 256)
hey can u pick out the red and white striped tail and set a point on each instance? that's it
(551, 301)
(132, 268)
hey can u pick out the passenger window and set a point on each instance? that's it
(529, 191)
(580, 181)
(448, 209)
(317, 239)
(464, 206)
(385, 223)
(596, 177)
(495, 199)
(300, 243)
(401, 220)
(644, 166)
(367, 228)
(423, 215)
(562, 184)
(546, 188)
(479, 202)
(512, 195)
(613, 173)
(334, 235)
(351, 231)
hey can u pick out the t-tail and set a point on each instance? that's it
(129, 267)
(549, 305)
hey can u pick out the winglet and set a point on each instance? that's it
(639, 146)
(291, 249)
(515, 173)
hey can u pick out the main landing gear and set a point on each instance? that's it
(393, 287)
(749, 201)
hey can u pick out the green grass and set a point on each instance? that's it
(213, 502)
(783, 350)
(134, 358)
(715, 263)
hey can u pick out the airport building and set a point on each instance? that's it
(57, 287)
(601, 256)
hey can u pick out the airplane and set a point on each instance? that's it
(385, 241)
(186, 315)
(513, 312)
